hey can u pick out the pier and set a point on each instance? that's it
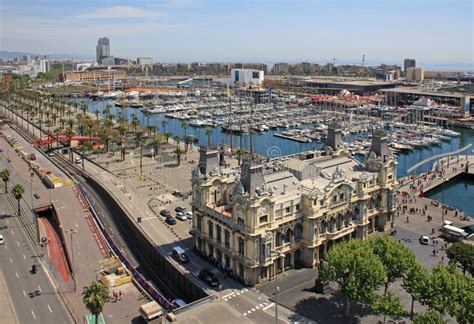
(411, 194)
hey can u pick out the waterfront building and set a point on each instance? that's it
(267, 216)
(144, 61)
(246, 77)
(409, 95)
(408, 63)
(94, 75)
(415, 74)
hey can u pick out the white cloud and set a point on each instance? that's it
(177, 4)
(120, 12)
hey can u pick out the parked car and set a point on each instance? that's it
(180, 209)
(178, 303)
(209, 278)
(181, 216)
(2, 240)
(179, 254)
(78, 160)
(424, 239)
(170, 220)
(51, 154)
(189, 215)
(36, 195)
(165, 213)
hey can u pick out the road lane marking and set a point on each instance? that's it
(49, 308)
(16, 273)
(24, 293)
(268, 306)
(24, 257)
(33, 313)
(13, 233)
(17, 243)
(39, 288)
(8, 222)
(11, 261)
(6, 247)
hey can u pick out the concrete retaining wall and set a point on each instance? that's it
(177, 283)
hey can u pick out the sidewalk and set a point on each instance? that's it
(7, 311)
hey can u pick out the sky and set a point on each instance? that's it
(431, 31)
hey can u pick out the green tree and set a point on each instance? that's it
(208, 133)
(18, 192)
(451, 292)
(388, 305)
(356, 270)
(94, 298)
(178, 153)
(429, 317)
(462, 254)
(416, 282)
(5, 175)
(135, 122)
(395, 256)
(163, 124)
(167, 137)
(140, 141)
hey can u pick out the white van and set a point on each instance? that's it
(179, 254)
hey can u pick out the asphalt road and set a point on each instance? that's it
(33, 295)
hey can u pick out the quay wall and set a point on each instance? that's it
(177, 282)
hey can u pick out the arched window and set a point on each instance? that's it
(288, 235)
(278, 239)
(298, 231)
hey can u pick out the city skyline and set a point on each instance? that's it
(187, 30)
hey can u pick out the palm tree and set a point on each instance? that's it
(208, 133)
(147, 115)
(18, 192)
(97, 112)
(184, 125)
(187, 141)
(178, 153)
(56, 132)
(135, 122)
(84, 108)
(140, 141)
(94, 298)
(177, 139)
(167, 137)
(152, 128)
(163, 124)
(5, 175)
(70, 135)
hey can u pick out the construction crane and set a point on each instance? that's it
(362, 72)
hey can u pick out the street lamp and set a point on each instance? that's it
(277, 289)
(71, 232)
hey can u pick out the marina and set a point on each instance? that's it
(276, 128)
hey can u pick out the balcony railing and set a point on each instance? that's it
(340, 233)
(229, 221)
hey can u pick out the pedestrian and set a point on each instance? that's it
(408, 220)
(434, 252)
(120, 295)
(442, 259)
(432, 231)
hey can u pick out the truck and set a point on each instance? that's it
(150, 310)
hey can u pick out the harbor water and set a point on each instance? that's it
(266, 143)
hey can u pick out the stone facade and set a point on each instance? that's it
(270, 216)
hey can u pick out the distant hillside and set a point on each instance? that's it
(6, 55)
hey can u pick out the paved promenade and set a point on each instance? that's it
(423, 215)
